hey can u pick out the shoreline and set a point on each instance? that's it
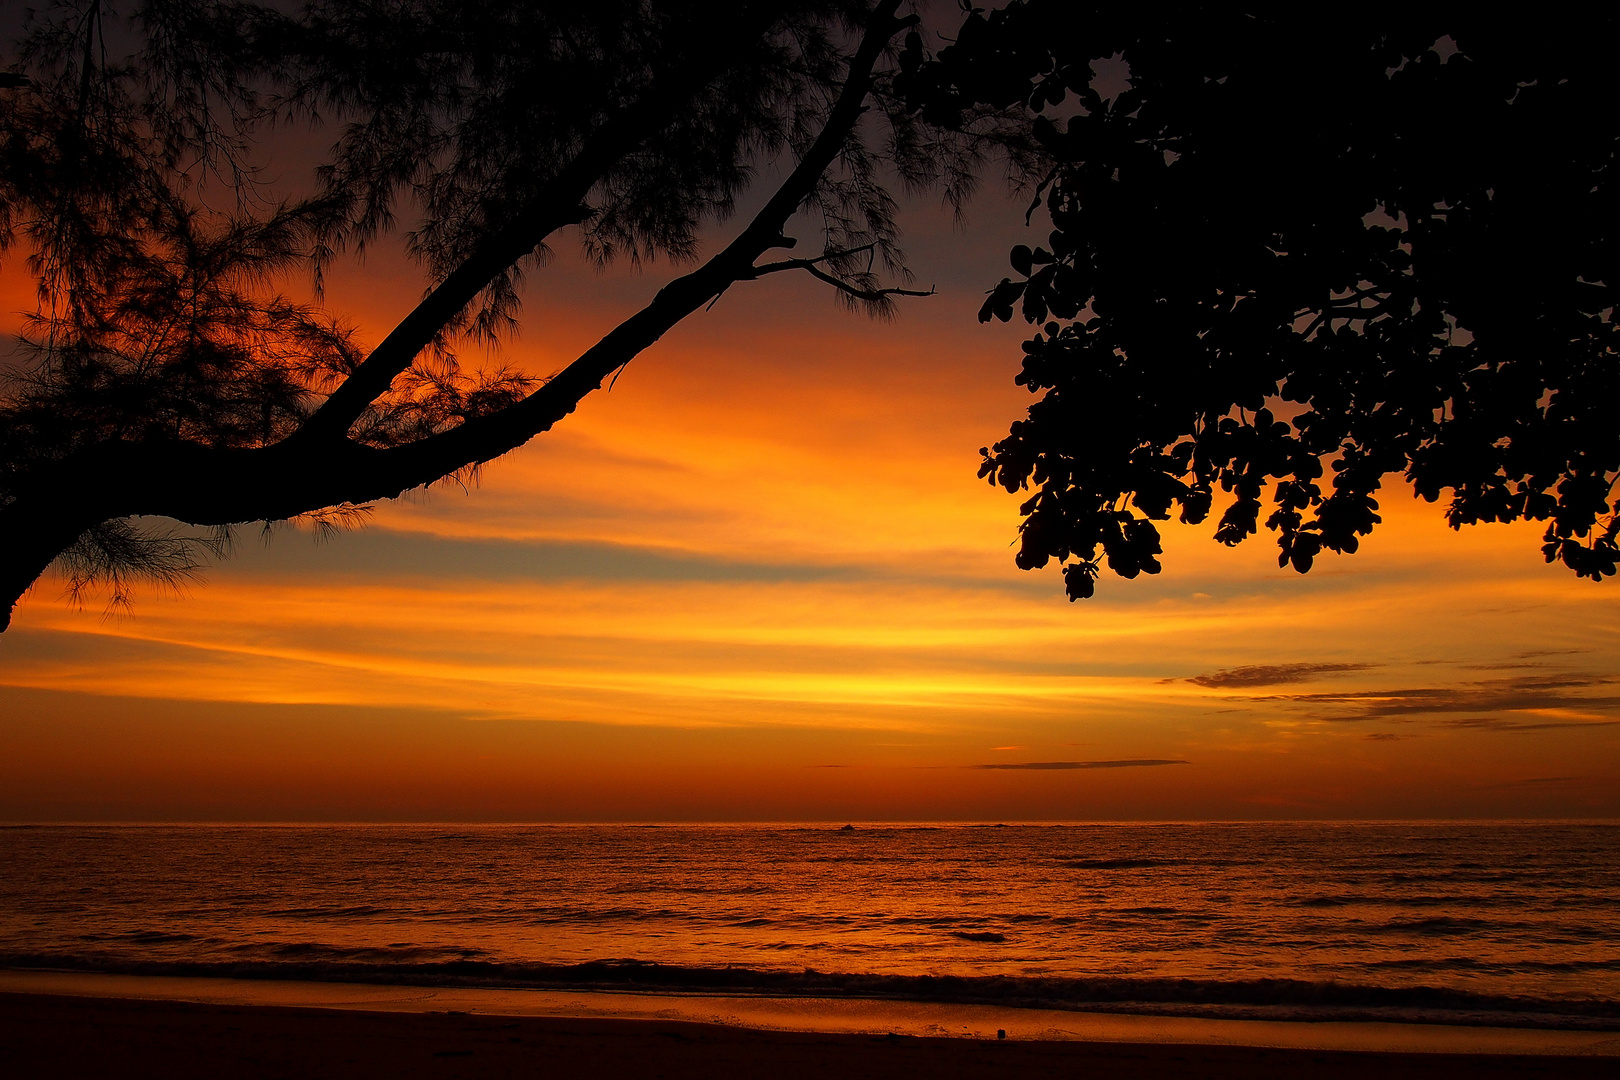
(824, 1016)
(65, 1037)
(1257, 999)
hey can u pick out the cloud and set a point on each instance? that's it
(381, 553)
(1552, 781)
(1271, 674)
(1128, 763)
(1384, 736)
(1492, 723)
(1524, 693)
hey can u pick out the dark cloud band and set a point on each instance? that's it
(1128, 763)
(1271, 674)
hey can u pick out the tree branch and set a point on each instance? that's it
(810, 266)
(560, 203)
(206, 485)
(497, 433)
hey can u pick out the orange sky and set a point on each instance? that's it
(759, 580)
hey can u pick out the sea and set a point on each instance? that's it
(1484, 922)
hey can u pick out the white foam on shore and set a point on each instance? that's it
(844, 1015)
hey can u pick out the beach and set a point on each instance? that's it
(75, 1024)
(63, 1036)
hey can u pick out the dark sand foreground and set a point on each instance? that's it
(67, 1037)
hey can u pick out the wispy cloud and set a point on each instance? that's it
(1128, 763)
(1271, 674)
(1525, 693)
(1491, 723)
(1552, 782)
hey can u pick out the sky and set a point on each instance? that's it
(760, 580)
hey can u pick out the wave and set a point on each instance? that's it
(1271, 999)
(1474, 964)
(1442, 925)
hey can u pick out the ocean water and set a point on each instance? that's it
(1475, 922)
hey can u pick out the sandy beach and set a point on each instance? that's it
(65, 1024)
(66, 1037)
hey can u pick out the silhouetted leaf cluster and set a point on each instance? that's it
(1299, 250)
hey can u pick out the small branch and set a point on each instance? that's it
(1335, 310)
(810, 267)
(825, 256)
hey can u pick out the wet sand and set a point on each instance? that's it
(62, 1036)
(841, 1015)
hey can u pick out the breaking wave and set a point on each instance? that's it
(1273, 999)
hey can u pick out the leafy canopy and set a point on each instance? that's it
(1291, 253)
(1298, 249)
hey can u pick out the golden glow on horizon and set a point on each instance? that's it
(764, 553)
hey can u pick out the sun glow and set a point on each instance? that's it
(772, 524)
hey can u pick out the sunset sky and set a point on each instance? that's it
(759, 580)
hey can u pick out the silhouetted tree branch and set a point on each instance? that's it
(168, 378)
(860, 286)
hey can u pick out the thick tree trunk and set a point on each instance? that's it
(29, 543)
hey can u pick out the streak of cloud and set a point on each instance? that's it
(1491, 723)
(1552, 781)
(1517, 694)
(1128, 763)
(1270, 674)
